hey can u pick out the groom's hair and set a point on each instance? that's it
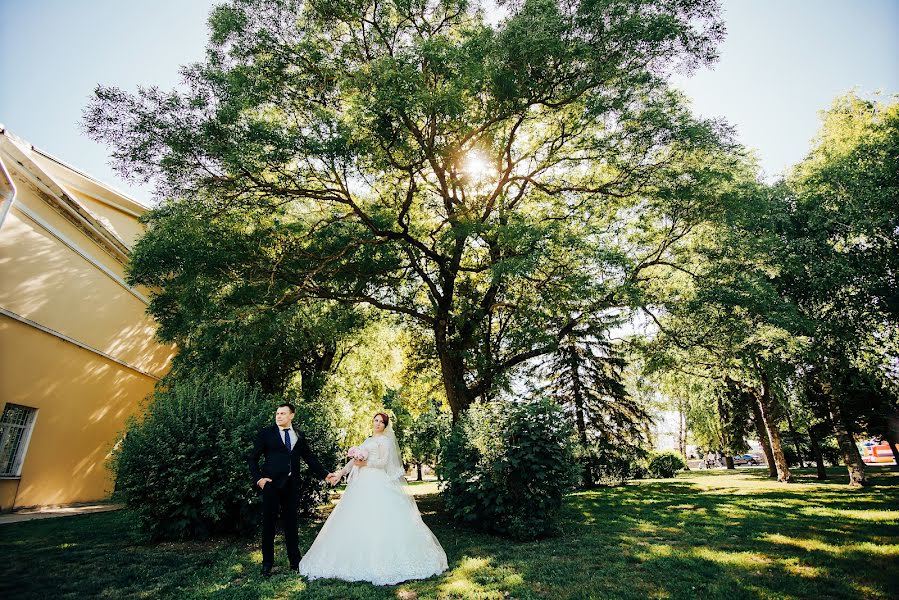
(289, 406)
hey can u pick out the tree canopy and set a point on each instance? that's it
(409, 156)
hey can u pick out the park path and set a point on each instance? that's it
(56, 511)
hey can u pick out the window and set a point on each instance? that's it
(15, 430)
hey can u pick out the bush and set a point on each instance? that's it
(315, 420)
(613, 464)
(182, 468)
(664, 465)
(507, 466)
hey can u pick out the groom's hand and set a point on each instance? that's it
(261, 483)
(332, 479)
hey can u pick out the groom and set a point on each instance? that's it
(279, 482)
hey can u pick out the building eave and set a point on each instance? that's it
(20, 153)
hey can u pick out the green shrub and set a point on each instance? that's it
(664, 465)
(613, 463)
(507, 467)
(315, 420)
(182, 468)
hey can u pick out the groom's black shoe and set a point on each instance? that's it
(266, 570)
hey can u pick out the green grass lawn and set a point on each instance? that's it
(708, 534)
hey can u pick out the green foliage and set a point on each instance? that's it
(338, 138)
(317, 419)
(615, 463)
(665, 465)
(584, 375)
(427, 435)
(182, 467)
(507, 467)
(212, 293)
(365, 381)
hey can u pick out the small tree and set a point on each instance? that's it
(584, 377)
(508, 466)
(426, 436)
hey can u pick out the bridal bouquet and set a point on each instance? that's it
(357, 453)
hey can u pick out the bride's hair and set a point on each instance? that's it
(384, 418)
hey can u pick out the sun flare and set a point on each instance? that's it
(476, 165)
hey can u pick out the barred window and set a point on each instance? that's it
(15, 430)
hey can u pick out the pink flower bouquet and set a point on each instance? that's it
(357, 453)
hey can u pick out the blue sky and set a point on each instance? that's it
(781, 63)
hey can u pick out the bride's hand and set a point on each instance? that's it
(359, 462)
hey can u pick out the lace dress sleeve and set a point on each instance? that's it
(377, 458)
(346, 469)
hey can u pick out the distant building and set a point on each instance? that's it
(77, 353)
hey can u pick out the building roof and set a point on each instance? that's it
(60, 181)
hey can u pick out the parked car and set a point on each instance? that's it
(745, 459)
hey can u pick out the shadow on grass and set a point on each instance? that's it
(706, 534)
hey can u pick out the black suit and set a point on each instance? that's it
(281, 493)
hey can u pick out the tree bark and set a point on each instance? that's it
(589, 481)
(893, 448)
(766, 407)
(795, 437)
(813, 433)
(451, 368)
(418, 467)
(725, 438)
(892, 438)
(763, 437)
(853, 460)
(682, 427)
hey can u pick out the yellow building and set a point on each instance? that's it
(77, 353)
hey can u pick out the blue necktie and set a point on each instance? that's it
(287, 439)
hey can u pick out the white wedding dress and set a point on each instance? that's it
(375, 533)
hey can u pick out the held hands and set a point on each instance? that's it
(333, 479)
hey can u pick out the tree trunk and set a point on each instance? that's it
(795, 437)
(682, 427)
(892, 438)
(725, 438)
(893, 448)
(418, 467)
(314, 372)
(854, 463)
(458, 396)
(816, 451)
(763, 437)
(589, 481)
(766, 407)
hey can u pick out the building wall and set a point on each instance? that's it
(45, 280)
(83, 401)
(75, 341)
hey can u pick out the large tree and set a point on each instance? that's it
(839, 265)
(227, 319)
(797, 282)
(723, 320)
(410, 156)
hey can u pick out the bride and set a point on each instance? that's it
(375, 533)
